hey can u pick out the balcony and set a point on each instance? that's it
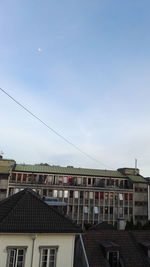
(69, 185)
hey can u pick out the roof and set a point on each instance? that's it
(5, 169)
(110, 245)
(6, 165)
(67, 170)
(46, 169)
(137, 178)
(131, 252)
(26, 212)
(101, 226)
(10, 160)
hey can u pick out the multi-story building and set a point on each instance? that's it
(91, 195)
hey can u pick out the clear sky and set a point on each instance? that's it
(83, 67)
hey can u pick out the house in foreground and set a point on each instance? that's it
(34, 234)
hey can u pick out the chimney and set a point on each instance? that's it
(121, 224)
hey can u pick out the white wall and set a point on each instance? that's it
(65, 243)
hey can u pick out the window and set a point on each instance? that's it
(130, 196)
(86, 195)
(65, 179)
(16, 256)
(60, 193)
(113, 258)
(125, 210)
(85, 209)
(96, 210)
(97, 195)
(79, 180)
(126, 196)
(76, 194)
(71, 194)
(65, 194)
(44, 192)
(48, 256)
(120, 196)
(24, 177)
(81, 194)
(89, 181)
(91, 195)
(19, 177)
(101, 195)
(14, 177)
(54, 193)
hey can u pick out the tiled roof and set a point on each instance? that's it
(131, 253)
(137, 178)
(26, 212)
(101, 226)
(67, 170)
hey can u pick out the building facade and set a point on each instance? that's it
(91, 195)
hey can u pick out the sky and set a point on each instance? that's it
(83, 67)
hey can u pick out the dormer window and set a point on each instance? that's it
(111, 251)
(113, 258)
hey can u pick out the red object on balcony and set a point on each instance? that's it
(130, 196)
(101, 195)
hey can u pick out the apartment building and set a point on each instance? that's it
(90, 195)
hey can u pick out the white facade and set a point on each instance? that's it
(33, 244)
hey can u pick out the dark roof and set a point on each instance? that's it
(110, 245)
(26, 212)
(131, 252)
(101, 226)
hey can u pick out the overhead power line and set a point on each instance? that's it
(52, 130)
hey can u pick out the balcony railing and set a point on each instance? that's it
(43, 183)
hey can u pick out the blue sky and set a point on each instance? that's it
(83, 67)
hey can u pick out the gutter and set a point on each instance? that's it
(84, 252)
(33, 239)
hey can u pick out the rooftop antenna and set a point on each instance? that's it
(135, 165)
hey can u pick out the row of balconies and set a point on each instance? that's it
(53, 185)
(70, 180)
(101, 202)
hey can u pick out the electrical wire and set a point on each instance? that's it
(52, 130)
